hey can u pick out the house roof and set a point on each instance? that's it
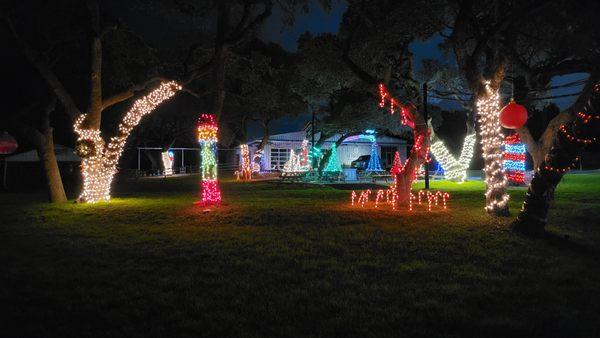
(299, 136)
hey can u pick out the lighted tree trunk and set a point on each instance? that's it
(564, 155)
(99, 160)
(418, 155)
(488, 110)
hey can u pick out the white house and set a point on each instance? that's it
(277, 150)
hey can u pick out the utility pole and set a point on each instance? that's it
(426, 165)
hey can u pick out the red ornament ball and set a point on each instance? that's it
(8, 144)
(513, 115)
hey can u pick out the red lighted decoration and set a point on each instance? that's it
(513, 115)
(438, 199)
(397, 166)
(8, 144)
(514, 159)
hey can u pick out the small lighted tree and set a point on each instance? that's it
(374, 162)
(397, 165)
(333, 164)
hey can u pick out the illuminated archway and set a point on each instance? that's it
(99, 159)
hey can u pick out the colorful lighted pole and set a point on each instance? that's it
(207, 137)
(514, 159)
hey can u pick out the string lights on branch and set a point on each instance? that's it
(488, 109)
(207, 137)
(99, 159)
(419, 153)
(570, 141)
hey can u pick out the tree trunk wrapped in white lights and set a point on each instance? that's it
(455, 170)
(99, 160)
(488, 111)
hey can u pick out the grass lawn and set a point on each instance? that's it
(289, 260)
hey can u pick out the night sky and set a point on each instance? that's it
(317, 21)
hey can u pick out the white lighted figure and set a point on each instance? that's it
(167, 159)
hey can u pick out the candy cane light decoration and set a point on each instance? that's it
(98, 159)
(207, 137)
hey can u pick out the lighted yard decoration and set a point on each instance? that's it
(514, 159)
(292, 165)
(245, 171)
(374, 162)
(314, 156)
(256, 158)
(298, 162)
(8, 144)
(98, 158)
(167, 159)
(397, 166)
(400, 191)
(412, 118)
(303, 157)
(207, 137)
(333, 164)
(455, 169)
(513, 115)
(438, 199)
(488, 110)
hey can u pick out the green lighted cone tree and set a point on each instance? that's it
(333, 164)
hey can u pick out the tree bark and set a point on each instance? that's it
(538, 149)
(265, 138)
(562, 156)
(417, 156)
(45, 151)
(43, 140)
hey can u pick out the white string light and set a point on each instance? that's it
(298, 162)
(488, 111)
(245, 171)
(455, 170)
(99, 162)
